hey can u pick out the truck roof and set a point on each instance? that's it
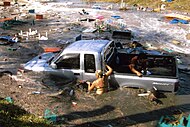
(87, 45)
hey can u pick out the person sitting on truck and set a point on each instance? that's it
(138, 63)
(101, 83)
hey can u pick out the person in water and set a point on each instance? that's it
(101, 83)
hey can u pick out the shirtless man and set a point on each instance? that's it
(101, 83)
(135, 61)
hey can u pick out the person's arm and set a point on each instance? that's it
(90, 86)
(108, 73)
(131, 66)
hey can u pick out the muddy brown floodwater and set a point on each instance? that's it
(118, 108)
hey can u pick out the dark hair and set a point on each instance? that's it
(100, 73)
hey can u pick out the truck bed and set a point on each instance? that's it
(157, 65)
(163, 73)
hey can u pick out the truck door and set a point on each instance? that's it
(89, 67)
(69, 65)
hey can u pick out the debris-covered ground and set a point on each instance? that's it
(61, 23)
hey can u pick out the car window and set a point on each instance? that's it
(69, 61)
(89, 63)
(162, 65)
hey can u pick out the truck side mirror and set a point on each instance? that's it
(53, 65)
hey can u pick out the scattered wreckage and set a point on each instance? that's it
(178, 119)
(6, 40)
(82, 58)
(122, 37)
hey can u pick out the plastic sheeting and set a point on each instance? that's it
(176, 21)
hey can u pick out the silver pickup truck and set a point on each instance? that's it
(82, 58)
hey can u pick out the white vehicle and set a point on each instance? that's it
(82, 58)
(96, 6)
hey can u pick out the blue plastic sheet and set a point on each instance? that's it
(7, 38)
(176, 21)
(183, 21)
(116, 17)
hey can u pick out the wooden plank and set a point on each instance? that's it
(178, 16)
(5, 19)
(52, 49)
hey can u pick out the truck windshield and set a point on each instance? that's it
(55, 57)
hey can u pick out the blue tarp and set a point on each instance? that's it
(176, 21)
(169, 0)
(116, 16)
(7, 38)
(183, 21)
